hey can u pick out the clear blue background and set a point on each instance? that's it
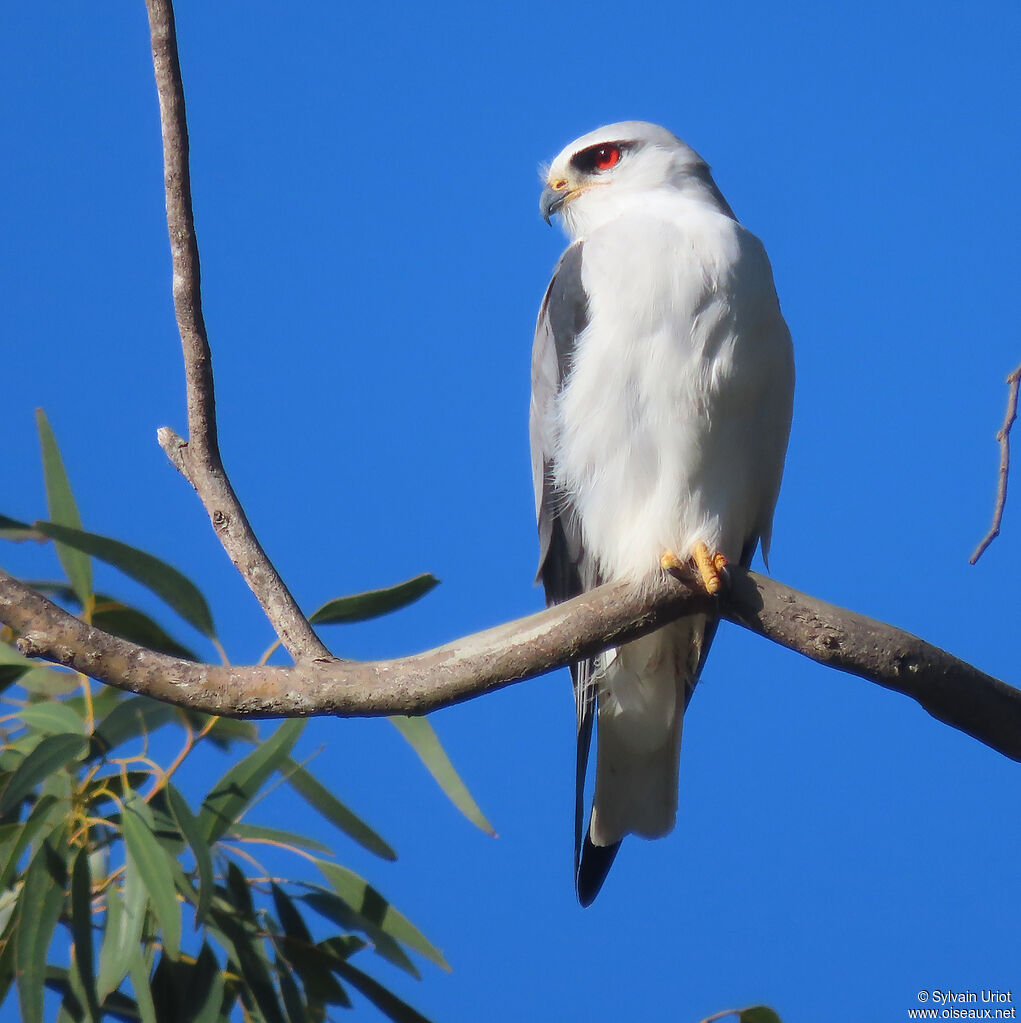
(366, 196)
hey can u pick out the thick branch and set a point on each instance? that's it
(198, 458)
(949, 689)
(1003, 438)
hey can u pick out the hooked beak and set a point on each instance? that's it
(552, 199)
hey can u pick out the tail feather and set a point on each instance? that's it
(644, 688)
(593, 867)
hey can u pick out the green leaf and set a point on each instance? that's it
(368, 902)
(134, 716)
(122, 932)
(171, 586)
(49, 682)
(387, 1002)
(192, 832)
(275, 835)
(148, 859)
(289, 916)
(226, 731)
(205, 994)
(419, 734)
(188, 991)
(319, 797)
(63, 510)
(46, 815)
(12, 529)
(54, 718)
(758, 1014)
(234, 792)
(328, 905)
(249, 956)
(49, 756)
(10, 656)
(42, 899)
(13, 665)
(139, 972)
(362, 606)
(137, 627)
(81, 931)
(294, 1005)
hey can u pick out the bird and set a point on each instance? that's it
(661, 403)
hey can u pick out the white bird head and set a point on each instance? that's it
(619, 166)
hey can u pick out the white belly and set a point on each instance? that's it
(673, 421)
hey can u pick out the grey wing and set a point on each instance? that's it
(565, 568)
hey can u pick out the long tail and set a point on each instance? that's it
(643, 689)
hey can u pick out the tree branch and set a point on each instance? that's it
(198, 458)
(1003, 437)
(949, 689)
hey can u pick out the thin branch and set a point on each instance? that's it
(1003, 436)
(949, 689)
(198, 458)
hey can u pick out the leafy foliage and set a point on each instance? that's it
(164, 912)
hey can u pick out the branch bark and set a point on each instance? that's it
(949, 689)
(1003, 438)
(198, 458)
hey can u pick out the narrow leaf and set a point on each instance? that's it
(134, 716)
(10, 656)
(53, 717)
(328, 905)
(278, 837)
(387, 1002)
(758, 1014)
(361, 896)
(42, 899)
(250, 959)
(45, 817)
(139, 972)
(205, 995)
(50, 755)
(192, 832)
(170, 585)
(137, 627)
(63, 510)
(289, 916)
(318, 796)
(234, 792)
(13, 665)
(146, 856)
(81, 931)
(360, 607)
(419, 734)
(122, 932)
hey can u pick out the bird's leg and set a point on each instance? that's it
(709, 565)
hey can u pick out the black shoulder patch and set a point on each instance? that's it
(567, 307)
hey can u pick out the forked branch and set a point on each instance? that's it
(198, 458)
(949, 689)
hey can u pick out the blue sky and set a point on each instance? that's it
(366, 194)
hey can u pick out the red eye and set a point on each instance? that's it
(606, 157)
(598, 158)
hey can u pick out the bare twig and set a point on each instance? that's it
(1003, 436)
(198, 458)
(949, 689)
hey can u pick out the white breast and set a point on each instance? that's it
(673, 422)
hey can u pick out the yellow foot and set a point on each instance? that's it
(709, 566)
(670, 562)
